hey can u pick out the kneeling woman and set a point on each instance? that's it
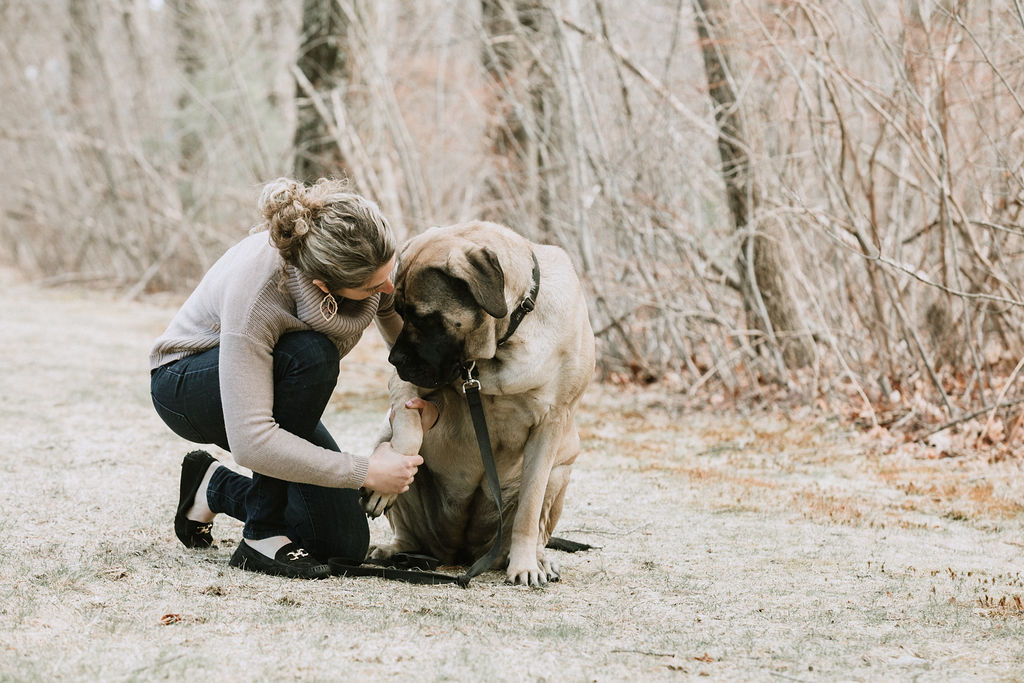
(249, 363)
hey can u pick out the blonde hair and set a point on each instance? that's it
(326, 231)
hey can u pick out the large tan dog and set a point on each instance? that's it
(460, 291)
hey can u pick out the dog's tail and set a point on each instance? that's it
(565, 545)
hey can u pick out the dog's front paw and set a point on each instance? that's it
(529, 569)
(374, 503)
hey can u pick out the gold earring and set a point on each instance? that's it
(328, 307)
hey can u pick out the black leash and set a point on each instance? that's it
(396, 570)
(471, 388)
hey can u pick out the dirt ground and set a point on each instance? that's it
(736, 546)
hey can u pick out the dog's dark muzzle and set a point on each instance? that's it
(415, 371)
(427, 379)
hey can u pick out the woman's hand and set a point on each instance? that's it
(391, 472)
(427, 409)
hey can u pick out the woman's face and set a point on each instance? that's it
(382, 281)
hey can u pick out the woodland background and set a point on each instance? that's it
(767, 200)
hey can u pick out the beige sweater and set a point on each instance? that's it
(243, 305)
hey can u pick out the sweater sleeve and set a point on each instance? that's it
(257, 441)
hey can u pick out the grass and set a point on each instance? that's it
(731, 546)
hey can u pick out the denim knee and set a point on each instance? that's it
(306, 353)
(305, 374)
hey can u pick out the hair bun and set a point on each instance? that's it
(288, 211)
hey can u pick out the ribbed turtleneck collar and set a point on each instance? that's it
(352, 318)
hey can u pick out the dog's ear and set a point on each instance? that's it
(486, 281)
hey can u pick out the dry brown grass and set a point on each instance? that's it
(736, 546)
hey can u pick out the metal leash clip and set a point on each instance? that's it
(467, 373)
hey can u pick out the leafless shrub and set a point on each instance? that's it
(883, 140)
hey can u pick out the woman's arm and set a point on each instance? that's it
(257, 441)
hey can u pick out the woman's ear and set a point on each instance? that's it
(322, 286)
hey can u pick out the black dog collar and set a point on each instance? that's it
(527, 304)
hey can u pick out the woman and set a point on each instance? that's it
(249, 363)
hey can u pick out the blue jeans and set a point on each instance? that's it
(327, 522)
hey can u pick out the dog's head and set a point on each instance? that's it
(450, 293)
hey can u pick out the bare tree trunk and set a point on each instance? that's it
(323, 59)
(82, 54)
(191, 43)
(767, 297)
(89, 78)
(525, 136)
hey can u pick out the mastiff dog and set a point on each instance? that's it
(478, 299)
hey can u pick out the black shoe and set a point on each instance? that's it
(290, 560)
(193, 469)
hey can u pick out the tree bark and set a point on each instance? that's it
(525, 136)
(323, 59)
(191, 43)
(766, 292)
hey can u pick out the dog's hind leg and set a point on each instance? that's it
(558, 482)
